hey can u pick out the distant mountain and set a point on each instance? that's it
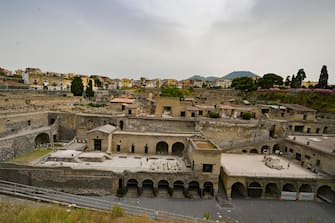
(197, 77)
(236, 74)
(229, 76)
(211, 78)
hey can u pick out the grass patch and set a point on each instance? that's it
(30, 213)
(31, 156)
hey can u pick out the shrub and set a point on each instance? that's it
(117, 211)
(246, 115)
(121, 192)
(213, 115)
(207, 215)
(174, 92)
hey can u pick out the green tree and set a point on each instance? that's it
(323, 80)
(301, 75)
(89, 90)
(244, 84)
(287, 82)
(269, 80)
(77, 87)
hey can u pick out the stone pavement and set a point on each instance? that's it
(244, 210)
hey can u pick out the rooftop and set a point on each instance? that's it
(122, 100)
(119, 162)
(322, 143)
(167, 134)
(105, 128)
(297, 107)
(254, 166)
(65, 154)
(203, 145)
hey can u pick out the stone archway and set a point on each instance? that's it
(255, 190)
(194, 189)
(42, 138)
(306, 188)
(272, 190)
(289, 188)
(148, 188)
(238, 190)
(276, 149)
(326, 193)
(162, 148)
(178, 189)
(208, 189)
(265, 149)
(178, 149)
(132, 187)
(163, 188)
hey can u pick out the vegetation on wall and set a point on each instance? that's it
(246, 115)
(174, 92)
(321, 102)
(213, 114)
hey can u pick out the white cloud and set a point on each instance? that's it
(192, 17)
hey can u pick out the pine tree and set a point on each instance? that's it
(287, 81)
(89, 90)
(323, 80)
(77, 87)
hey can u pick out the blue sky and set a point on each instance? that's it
(169, 38)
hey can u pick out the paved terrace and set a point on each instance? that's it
(324, 144)
(116, 163)
(254, 166)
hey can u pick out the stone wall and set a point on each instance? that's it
(26, 141)
(62, 179)
(225, 133)
(144, 124)
(10, 104)
(12, 124)
(126, 141)
(13, 147)
(311, 157)
(313, 127)
(278, 183)
(67, 124)
(91, 181)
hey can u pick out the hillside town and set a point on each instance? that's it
(164, 138)
(185, 111)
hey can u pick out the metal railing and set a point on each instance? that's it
(78, 201)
